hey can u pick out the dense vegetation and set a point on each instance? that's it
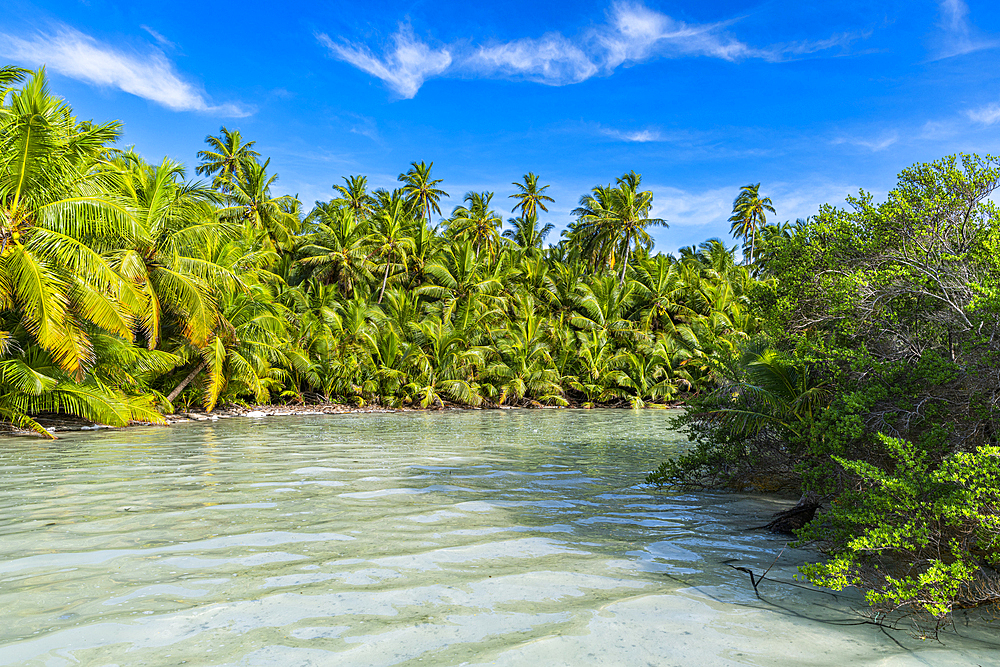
(874, 384)
(852, 355)
(128, 290)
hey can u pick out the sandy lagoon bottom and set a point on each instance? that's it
(455, 538)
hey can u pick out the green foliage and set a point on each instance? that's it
(915, 536)
(853, 354)
(134, 282)
(873, 384)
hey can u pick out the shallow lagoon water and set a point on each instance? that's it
(454, 538)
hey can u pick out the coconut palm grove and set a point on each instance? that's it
(850, 357)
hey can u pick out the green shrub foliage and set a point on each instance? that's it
(874, 384)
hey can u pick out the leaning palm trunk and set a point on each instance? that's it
(621, 281)
(186, 381)
(385, 279)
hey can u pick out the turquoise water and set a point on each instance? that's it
(453, 538)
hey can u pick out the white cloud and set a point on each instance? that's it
(958, 36)
(150, 76)
(987, 115)
(404, 69)
(632, 33)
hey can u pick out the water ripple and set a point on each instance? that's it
(447, 538)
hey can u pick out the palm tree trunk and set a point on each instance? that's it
(186, 381)
(621, 282)
(385, 278)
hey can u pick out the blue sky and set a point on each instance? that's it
(813, 100)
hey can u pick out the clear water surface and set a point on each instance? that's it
(454, 538)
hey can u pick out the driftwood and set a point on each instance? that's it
(788, 521)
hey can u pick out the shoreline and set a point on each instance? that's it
(67, 424)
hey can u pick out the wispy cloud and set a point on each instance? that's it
(957, 35)
(642, 136)
(799, 49)
(987, 115)
(404, 68)
(942, 129)
(365, 127)
(875, 145)
(151, 75)
(163, 41)
(683, 208)
(635, 33)
(695, 215)
(552, 59)
(631, 33)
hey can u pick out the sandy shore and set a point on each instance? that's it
(62, 423)
(227, 412)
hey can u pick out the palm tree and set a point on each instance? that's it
(445, 364)
(166, 266)
(229, 159)
(402, 308)
(425, 247)
(563, 292)
(10, 75)
(32, 383)
(523, 365)
(749, 216)
(766, 389)
(531, 197)
(604, 305)
(588, 236)
(595, 362)
(394, 359)
(250, 336)
(338, 250)
(526, 233)
(354, 195)
(461, 282)
(661, 291)
(389, 240)
(56, 221)
(70, 315)
(420, 191)
(631, 219)
(643, 375)
(476, 222)
(611, 221)
(251, 203)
